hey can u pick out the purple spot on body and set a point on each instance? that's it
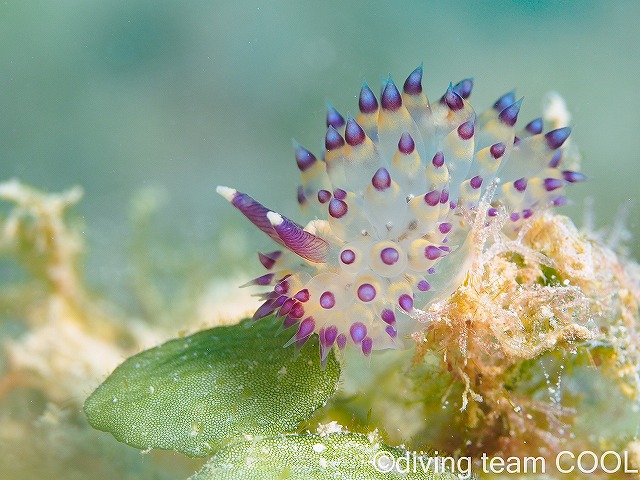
(358, 331)
(465, 131)
(555, 138)
(423, 286)
(432, 252)
(324, 196)
(527, 212)
(367, 101)
(302, 295)
(464, 87)
(444, 248)
(476, 182)
(497, 150)
(445, 228)
(366, 292)
(534, 127)
(559, 201)
(492, 212)
(573, 177)
(509, 116)
(391, 98)
(388, 316)
(339, 194)
(504, 101)
(431, 271)
(347, 256)
(413, 83)
(304, 158)
(334, 119)
(342, 341)
(333, 140)
(438, 160)
(306, 328)
(516, 140)
(327, 300)
(551, 184)
(389, 255)
(520, 184)
(514, 217)
(444, 196)
(367, 345)
(391, 331)
(406, 144)
(338, 208)
(432, 198)
(452, 205)
(452, 99)
(406, 302)
(330, 335)
(354, 134)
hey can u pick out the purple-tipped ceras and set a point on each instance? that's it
(389, 193)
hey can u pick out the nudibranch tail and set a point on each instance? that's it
(395, 193)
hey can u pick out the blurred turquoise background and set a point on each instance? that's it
(117, 95)
(121, 95)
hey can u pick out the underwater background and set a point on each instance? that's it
(116, 96)
(142, 101)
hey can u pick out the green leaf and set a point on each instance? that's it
(309, 457)
(198, 393)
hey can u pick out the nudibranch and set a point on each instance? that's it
(393, 195)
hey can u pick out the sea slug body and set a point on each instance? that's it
(392, 195)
